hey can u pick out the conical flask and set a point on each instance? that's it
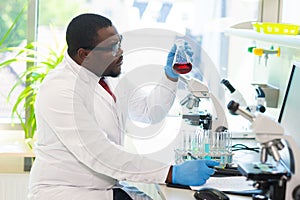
(182, 63)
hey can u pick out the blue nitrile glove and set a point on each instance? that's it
(193, 172)
(169, 66)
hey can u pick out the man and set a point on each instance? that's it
(79, 152)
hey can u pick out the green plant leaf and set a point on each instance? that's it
(13, 89)
(31, 123)
(40, 66)
(25, 93)
(8, 62)
(8, 32)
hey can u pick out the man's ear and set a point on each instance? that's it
(82, 54)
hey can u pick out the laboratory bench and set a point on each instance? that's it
(180, 194)
(171, 193)
(233, 183)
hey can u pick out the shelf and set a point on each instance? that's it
(292, 41)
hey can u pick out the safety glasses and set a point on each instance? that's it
(114, 48)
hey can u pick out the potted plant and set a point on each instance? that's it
(38, 65)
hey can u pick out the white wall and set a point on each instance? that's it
(246, 68)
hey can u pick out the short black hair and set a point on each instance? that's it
(82, 31)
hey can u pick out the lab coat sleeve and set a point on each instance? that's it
(66, 114)
(152, 106)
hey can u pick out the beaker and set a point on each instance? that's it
(182, 63)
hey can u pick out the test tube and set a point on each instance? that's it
(183, 146)
(222, 147)
(215, 146)
(195, 143)
(207, 143)
(204, 144)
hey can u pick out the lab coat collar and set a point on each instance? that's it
(84, 73)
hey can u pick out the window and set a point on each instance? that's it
(202, 19)
(290, 12)
(12, 12)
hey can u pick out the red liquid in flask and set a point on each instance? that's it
(182, 68)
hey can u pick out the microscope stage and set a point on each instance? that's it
(263, 171)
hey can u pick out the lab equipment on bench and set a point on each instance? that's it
(260, 101)
(275, 178)
(210, 139)
(198, 90)
(234, 93)
(238, 97)
(289, 113)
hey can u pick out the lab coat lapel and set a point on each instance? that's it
(101, 104)
(106, 115)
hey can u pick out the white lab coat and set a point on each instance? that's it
(79, 153)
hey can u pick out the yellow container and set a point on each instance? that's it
(276, 28)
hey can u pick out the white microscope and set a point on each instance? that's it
(279, 180)
(199, 90)
(210, 140)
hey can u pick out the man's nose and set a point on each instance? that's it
(119, 52)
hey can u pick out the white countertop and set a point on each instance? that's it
(183, 194)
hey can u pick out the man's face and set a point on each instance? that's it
(106, 58)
